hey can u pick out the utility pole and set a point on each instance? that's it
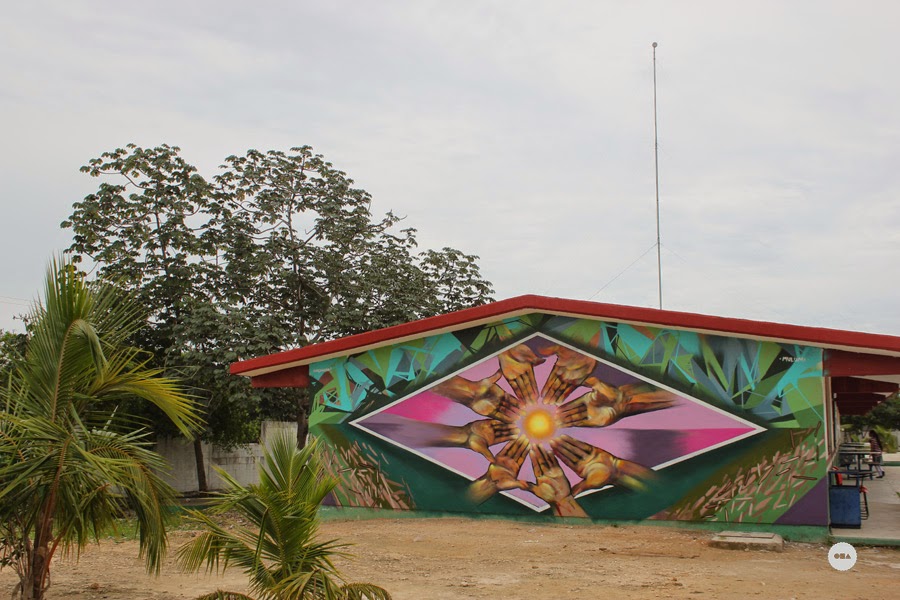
(656, 170)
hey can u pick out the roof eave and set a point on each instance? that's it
(513, 307)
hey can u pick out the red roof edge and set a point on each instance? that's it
(579, 308)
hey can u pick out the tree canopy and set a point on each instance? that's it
(884, 418)
(12, 351)
(886, 414)
(274, 250)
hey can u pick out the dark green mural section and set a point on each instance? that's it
(408, 426)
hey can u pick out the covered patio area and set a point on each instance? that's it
(859, 382)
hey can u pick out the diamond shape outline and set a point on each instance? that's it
(754, 429)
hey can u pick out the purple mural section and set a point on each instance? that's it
(811, 509)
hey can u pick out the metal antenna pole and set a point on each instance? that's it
(656, 169)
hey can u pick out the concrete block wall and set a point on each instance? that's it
(241, 462)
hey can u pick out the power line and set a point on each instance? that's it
(14, 300)
(622, 272)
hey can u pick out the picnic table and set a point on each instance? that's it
(854, 460)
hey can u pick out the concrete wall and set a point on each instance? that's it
(240, 463)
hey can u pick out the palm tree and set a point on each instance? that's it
(279, 552)
(72, 457)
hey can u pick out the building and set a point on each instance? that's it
(543, 406)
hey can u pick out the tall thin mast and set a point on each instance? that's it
(656, 170)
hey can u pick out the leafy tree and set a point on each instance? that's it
(886, 414)
(71, 458)
(208, 339)
(304, 220)
(455, 279)
(154, 229)
(323, 262)
(883, 418)
(276, 250)
(145, 232)
(12, 351)
(278, 551)
(147, 239)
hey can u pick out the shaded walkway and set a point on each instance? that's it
(883, 525)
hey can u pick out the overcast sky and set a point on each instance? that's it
(521, 131)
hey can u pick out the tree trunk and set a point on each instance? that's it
(33, 583)
(302, 417)
(38, 570)
(201, 465)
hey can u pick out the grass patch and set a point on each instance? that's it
(126, 529)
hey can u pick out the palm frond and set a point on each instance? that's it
(278, 550)
(70, 458)
(125, 378)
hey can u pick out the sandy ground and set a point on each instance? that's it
(446, 559)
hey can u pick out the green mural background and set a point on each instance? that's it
(776, 476)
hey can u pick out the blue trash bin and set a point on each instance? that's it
(843, 501)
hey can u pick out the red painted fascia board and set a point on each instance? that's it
(856, 385)
(839, 363)
(576, 308)
(847, 400)
(848, 411)
(378, 336)
(294, 377)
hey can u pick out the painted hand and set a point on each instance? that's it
(606, 404)
(517, 365)
(481, 435)
(477, 435)
(570, 371)
(551, 485)
(597, 467)
(484, 397)
(503, 473)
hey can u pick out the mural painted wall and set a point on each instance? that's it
(578, 418)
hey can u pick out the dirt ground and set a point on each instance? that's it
(449, 559)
